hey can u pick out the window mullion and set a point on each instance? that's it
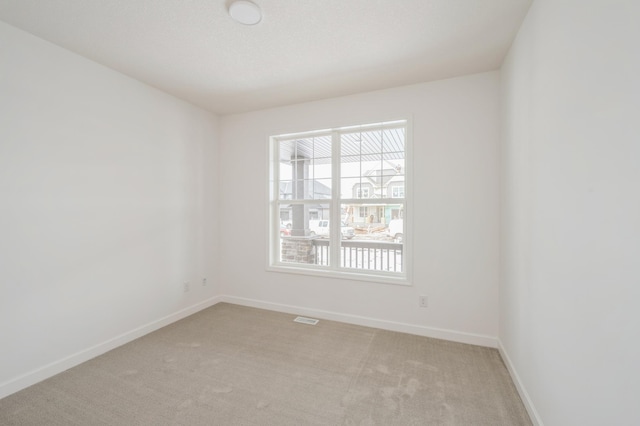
(275, 203)
(335, 201)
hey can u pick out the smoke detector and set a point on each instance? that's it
(245, 12)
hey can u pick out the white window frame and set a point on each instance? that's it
(335, 270)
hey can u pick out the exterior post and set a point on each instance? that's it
(300, 212)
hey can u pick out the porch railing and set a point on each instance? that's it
(362, 254)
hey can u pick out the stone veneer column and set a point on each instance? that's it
(298, 250)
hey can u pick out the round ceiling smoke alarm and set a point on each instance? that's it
(245, 12)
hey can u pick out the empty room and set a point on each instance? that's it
(337, 212)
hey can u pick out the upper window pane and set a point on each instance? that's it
(305, 168)
(371, 161)
(393, 140)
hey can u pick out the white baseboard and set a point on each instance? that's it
(42, 373)
(524, 395)
(438, 333)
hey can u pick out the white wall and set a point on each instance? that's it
(456, 132)
(569, 322)
(107, 204)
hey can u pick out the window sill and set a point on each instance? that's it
(395, 279)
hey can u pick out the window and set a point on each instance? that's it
(397, 191)
(362, 193)
(353, 177)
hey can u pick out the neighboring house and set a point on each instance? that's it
(378, 184)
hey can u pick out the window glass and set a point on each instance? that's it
(365, 198)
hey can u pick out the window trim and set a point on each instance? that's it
(273, 263)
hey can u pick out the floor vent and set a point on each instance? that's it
(304, 320)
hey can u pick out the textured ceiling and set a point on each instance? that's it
(302, 50)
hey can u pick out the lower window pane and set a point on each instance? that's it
(304, 234)
(377, 243)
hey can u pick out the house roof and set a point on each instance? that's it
(300, 51)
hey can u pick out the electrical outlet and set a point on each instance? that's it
(186, 287)
(423, 301)
(204, 281)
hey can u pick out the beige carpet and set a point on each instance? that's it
(232, 365)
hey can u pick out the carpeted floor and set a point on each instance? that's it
(233, 365)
